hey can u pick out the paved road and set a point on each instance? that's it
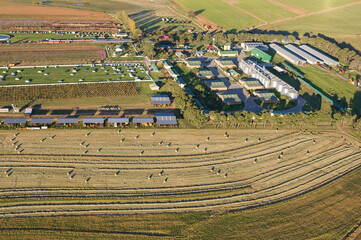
(301, 103)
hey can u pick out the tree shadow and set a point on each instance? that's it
(355, 104)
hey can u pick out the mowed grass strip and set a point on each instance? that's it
(311, 5)
(265, 10)
(221, 13)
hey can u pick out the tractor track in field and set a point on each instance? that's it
(222, 180)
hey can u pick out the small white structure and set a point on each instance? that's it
(248, 46)
(323, 57)
(119, 48)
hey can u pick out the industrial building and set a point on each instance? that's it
(166, 120)
(67, 121)
(143, 121)
(15, 121)
(193, 63)
(289, 56)
(302, 53)
(260, 55)
(229, 98)
(248, 46)
(160, 100)
(225, 63)
(93, 122)
(41, 121)
(267, 79)
(266, 96)
(327, 60)
(252, 84)
(118, 121)
(227, 53)
(205, 74)
(216, 85)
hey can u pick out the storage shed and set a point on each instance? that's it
(205, 74)
(166, 120)
(229, 98)
(260, 55)
(291, 57)
(67, 121)
(252, 84)
(143, 121)
(323, 57)
(248, 46)
(120, 121)
(225, 63)
(93, 122)
(309, 58)
(41, 121)
(160, 100)
(194, 63)
(216, 85)
(15, 121)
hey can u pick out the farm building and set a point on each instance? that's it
(248, 46)
(93, 122)
(323, 57)
(205, 74)
(229, 98)
(172, 72)
(227, 53)
(156, 69)
(120, 121)
(119, 48)
(194, 63)
(181, 82)
(225, 63)
(15, 121)
(259, 54)
(160, 100)
(233, 72)
(252, 84)
(216, 85)
(143, 121)
(67, 121)
(267, 79)
(266, 96)
(153, 86)
(302, 53)
(227, 47)
(291, 57)
(41, 121)
(167, 64)
(166, 120)
(28, 111)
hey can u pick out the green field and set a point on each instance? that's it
(221, 13)
(336, 22)
(268, 11)
(66, 74)
(312, 6)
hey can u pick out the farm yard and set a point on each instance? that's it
(144, 169)
(73, 74)
(51, 54)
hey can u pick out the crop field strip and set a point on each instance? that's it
(283, 170)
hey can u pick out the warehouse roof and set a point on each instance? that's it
(326, 59)
(226, 62)
(166, 119)
(205, 73)
(118, 120)
(310, 59)
(143, 120)
(215, 84)
(15, 121)
(194, 62)
(67, 120)
(228, 53)
(93, 120)
(287, 54)
(229, 97)
(160, 99)
(252, 83)
(41, 120)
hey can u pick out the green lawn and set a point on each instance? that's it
(342, 21)
(20, 37)
(221, 13)
(64, 74)
(265, 10)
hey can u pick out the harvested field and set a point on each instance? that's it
(169, 171)
(15, 10)
(48, 54)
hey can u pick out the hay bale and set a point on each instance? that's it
(117, 173)
(150, 176)
(87, 134)
(259, 139)
(205, 149)
(208, 138)
(142, 152)
(177, 149)
(122, 140)
(226, 133)
(197, 146)
(169, 144)
(86, 151)
(153, 134)
(99, 149)
(87, 180)
(82, 143)
(225, 175)
(219, 172)
(165, 180)
(161, 173)
(212, 169)
(255, 160)
(246, 140)
(136, 137)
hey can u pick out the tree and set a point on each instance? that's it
(191, 14)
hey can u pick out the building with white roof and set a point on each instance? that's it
(248, 46)
(323, 57)
(291, 57)
(302, 53)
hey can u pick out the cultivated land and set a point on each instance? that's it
(144, 175)
(51, 75)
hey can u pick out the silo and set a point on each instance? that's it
(279, 86)
(285, 90)
(293, 94)
(267, 83)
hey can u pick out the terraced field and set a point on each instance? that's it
(142, 171)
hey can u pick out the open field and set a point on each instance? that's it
(312, 6)
(49, 75)
(336, 22)
(221, 13)
(16, 10)
(51, 54)
(174, 176)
